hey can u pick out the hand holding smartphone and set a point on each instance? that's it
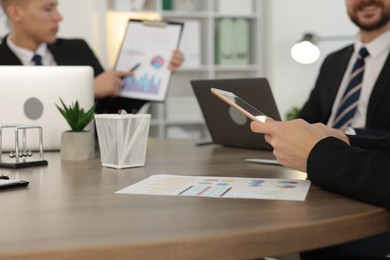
(239, 104)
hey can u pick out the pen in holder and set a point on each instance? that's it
(20, 152)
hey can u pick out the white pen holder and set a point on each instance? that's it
(122, 139)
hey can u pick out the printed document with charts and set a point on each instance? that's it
(146, 50)
(221, 187)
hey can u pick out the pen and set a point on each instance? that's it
(135, 66)
(133, 69)
(263, 161)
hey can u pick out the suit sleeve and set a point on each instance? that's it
(318, 107)
(372, 132)
(371, 142)
(75, 52)
(93, 60)
(360, 174)
(312, 111)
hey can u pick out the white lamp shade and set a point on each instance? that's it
(305, 52)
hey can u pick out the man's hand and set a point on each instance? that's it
(292, 140)
(176, 61)
(109, 83)
(337, 133)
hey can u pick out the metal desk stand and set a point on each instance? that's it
(20, 153)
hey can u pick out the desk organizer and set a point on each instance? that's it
(21, 153)
(122, 139)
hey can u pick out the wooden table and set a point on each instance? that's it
(70, 211)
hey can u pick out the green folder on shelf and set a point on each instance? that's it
(232, 42)
(167, 5)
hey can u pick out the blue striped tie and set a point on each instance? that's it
(350, 100)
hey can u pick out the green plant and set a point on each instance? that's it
(293, 113)
(75, 116)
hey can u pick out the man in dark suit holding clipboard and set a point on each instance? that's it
(32, 41)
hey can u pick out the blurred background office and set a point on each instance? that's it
(264, 32)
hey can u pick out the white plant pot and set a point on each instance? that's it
(77, 146)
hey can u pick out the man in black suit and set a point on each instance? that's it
(355, 166)
(331, 162)
(371, 117)
(34, 26)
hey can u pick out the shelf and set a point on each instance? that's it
(223, 68)
(194, 69)
(184, 14)
(249, 68)
(235, 16)
(180, 114)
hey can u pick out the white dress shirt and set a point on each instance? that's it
(25, 55)
(378, 49)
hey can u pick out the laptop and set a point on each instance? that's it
(226, 125)
(29, 95)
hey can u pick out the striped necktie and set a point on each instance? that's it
(37, 59)
(350, 100)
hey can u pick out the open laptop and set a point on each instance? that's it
(29, 95)
(226, 125)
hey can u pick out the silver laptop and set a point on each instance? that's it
(226, 125)
(29, 95)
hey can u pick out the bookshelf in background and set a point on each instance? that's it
(221, 39)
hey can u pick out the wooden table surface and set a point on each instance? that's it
(70, 211)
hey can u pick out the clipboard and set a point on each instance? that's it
(149, 44)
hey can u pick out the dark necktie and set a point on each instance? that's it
(350, 100)
(37, 59)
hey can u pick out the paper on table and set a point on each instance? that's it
(221, 187)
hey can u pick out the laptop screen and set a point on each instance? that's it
(226, 125)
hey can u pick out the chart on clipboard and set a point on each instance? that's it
(148, 45)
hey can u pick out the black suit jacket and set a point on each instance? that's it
(360, 171)
(76, 52)
(318, 107)
(65, 52)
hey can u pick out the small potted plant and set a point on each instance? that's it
(77, 144)
(293, 113)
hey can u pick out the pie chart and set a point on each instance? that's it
(157, 62)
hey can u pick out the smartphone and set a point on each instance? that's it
(239, 104)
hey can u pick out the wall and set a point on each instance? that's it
(3, 23)
(85, 19)
(286, 22)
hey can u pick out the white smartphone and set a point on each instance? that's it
(239, 104)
